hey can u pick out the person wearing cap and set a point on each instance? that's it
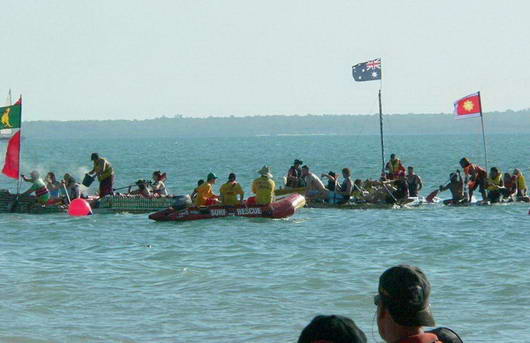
(105, 173)
(38, 186)
(230, 190)
(314, 189)
(331, 329)
(294, 175)
(205, 195)
(403, 307)
(264, 187)
(456, 186)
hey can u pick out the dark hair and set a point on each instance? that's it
(464, 162)
(336, 329)
(94, 156)
(200, 182)
(346, 170)
(305, 167)
(357, 182)
(231, 176)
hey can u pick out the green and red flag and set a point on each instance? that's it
(10, 116)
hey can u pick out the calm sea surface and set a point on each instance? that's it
(124, 278)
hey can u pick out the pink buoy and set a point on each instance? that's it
(79, 208)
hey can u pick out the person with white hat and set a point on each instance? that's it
(264, 187)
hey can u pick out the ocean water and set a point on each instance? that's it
(124, 278)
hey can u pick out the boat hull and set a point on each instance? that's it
(116, 203)
(10, 203)
(283, 208)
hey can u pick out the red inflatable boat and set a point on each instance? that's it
(282, 208)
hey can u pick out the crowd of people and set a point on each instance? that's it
(402, 312)
(396, 185)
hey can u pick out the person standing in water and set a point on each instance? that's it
(475, 177)
(105, 173)
(414, 182)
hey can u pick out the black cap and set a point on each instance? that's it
(405, 293)
(332, 329)
(298, 162)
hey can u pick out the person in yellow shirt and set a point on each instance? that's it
(205, 195)
(230, 190)
(264, 187)
(520, 183)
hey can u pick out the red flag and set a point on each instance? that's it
(12, 162)
(468, 107)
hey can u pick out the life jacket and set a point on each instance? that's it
(41, 191)
(492, 182)
(421, 338)
(395, 166)
(480, 173)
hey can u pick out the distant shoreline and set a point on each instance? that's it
(511, 122)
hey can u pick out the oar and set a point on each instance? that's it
(66, 192)
(432, 195)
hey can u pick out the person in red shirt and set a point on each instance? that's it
(475, 177)
(403, 308)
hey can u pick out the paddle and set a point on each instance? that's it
(66, 192)
(430, 198)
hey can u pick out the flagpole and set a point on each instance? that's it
(20, 151)
(381, 131)
(10, 100)
(483, 133)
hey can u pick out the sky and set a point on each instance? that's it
(114, 59)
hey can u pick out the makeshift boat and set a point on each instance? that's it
(138, 204)
(290, 190)
(281, 208)
(13, 203)
(352, 205)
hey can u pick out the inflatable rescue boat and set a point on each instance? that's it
(281, 208)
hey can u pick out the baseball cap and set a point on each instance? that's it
(332, 329)
(405, 292)
(211, 176)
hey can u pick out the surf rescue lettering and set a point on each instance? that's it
(218, 212)
(248, 211)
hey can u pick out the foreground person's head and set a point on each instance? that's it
(403, 302)
(331, 329)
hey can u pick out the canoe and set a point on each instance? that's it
(138, 204)
(289, 190)
(279, 209)
(9, 203)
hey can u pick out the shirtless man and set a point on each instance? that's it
(314, 189)
(456, 186)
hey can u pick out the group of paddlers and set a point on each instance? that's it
(397, 185)
(401, 185)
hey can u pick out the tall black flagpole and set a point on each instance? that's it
(381, 129)
(483, 134)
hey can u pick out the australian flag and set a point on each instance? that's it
(367, 71)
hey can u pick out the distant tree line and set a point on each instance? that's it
(515, 122)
